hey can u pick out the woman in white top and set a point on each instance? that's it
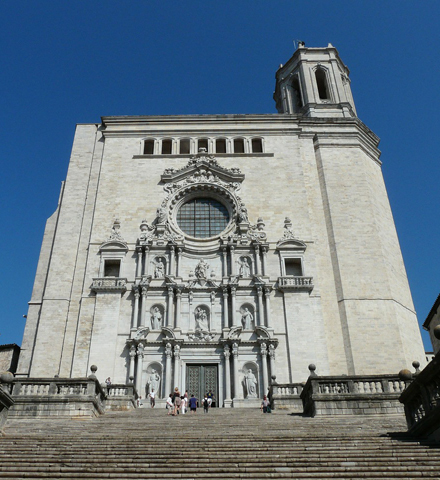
(170, 405)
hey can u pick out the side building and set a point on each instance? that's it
(211, 252)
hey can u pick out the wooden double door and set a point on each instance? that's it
(201, 379)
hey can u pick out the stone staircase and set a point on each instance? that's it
(147, 444)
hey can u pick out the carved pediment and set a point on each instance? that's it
(234, 333)
(113, 245)
(288, 241)
(263, 333)
(168, 333)
(141, 333)
(291, 244)
(206, 168)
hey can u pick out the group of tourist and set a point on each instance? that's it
(179, 404)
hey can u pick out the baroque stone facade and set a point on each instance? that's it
(214, 252)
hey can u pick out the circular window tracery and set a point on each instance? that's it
(202, 217)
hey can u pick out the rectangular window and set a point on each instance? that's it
(148, 147)
(202, 143)
(111, 268)
(293, 267)
(220, 145)
(257, 145)
(166, 146)
(238, 145)
(184, 146)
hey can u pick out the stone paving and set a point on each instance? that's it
(148, 444)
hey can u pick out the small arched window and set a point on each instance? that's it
(167, 145)
(298, 103)
(184, 146)
(238, 145)
(202, 143)
(149, 147)
(257, 145)
(321, 82)
(220, 145)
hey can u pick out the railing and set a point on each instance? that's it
(121, 397)
(355, 394)
(421, 400)
(57, 391)
(295, 283)
(109, 284)
(287, 389)
(286, 395)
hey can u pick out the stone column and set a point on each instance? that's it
(132, 361)
(143, 306)
(224, 262)
(178, 306)
(226, 322)
(139, 262)
(176, 365)
(168, 354)
(267, 291)
(171, 268)
(179, 260)
(263, 351)
(260, 307)
(134, 320)
(232, 257)
(272, 359)
(227, 354)
(234, 314)
(264, 266)
(235, 366)
(170, 308)
(139, 367)
(146, 267)
(257, 259)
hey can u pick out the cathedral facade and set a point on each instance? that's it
(216, 252)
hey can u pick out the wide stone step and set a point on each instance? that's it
(223, 444)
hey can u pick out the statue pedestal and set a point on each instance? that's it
(246, 402)
(227, 404)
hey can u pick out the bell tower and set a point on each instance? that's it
(314, 83)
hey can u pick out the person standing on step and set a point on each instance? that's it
(183, 407)
(265, 405)
(170, 406)
(206, 404)
(152, 396)
(210, 397)
(193, 404)
(177, 401)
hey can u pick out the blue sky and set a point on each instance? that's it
(65, 63)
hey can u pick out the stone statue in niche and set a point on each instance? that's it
(153, 381)
(250, 382)
(159, 268)
(201, 269)
(247, 319)
(245, 268)
(201, 318)
(156, 319)
(161, 215)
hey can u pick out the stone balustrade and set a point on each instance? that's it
(57, 396)
(357, 394)
(6, 400)
(109, 284)
(421, 401)
(286, 395)
(120, 397)
(288, 283)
